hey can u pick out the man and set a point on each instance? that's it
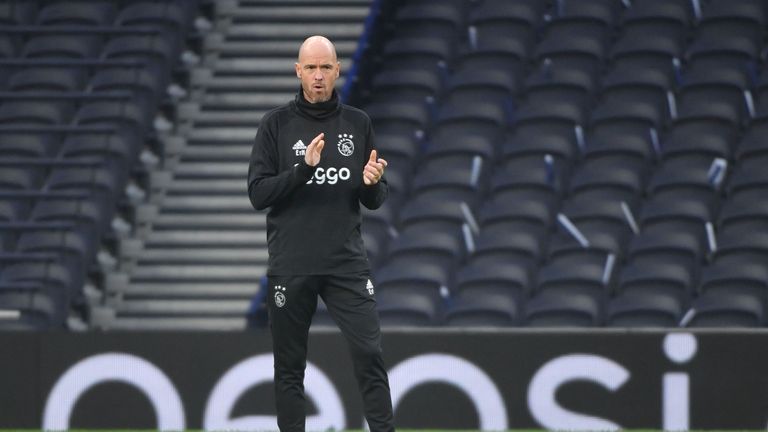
(313, 231)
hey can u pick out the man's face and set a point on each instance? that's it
(318, 70)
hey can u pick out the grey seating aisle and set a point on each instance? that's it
(197, 258)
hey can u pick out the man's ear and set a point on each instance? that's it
(298, 70)
(338, 69)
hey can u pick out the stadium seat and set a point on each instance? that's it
(440, 19)
(48, 79)
(731, 310)
(62, 46)
(750, 279)
(482, 310)
(562, 310)
(54, 279)
(37, 311)
(83, 13)
(485, 277)
(414, 85)
(643, 310)
(700, 138)
(407, 308)
(658, 278)
(17, 13)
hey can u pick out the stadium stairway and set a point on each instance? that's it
(200, 249)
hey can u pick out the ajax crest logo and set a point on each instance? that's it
(346, 146)
(279, 296)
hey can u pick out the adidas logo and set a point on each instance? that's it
(369, 287)
(300, 148)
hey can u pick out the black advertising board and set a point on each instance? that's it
(448, 379)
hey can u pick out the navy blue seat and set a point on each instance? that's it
(714, 92)
(700, 139)
(440, 19)
(34, 113)
(562, 310)
(77, 13)
(415, 85)
(111, 151)
(625, 142)
(484, 277)
(17, 12)
(670, 215)
(742, 249)
(750, 279)
(504, 27)
(752, 150)
(743, 217)
(426, 280)
(747, 183)
(36, 310)
(157, 54)
(658, 278)
(401, 117)
(452, 179)
(86, 218)
(539, 137)
(684, 179)
(73, 252)
(47, 79)
(431, 53)
(62, 46)
(144, 88)
(485, 310)
(643, 310)
(55, 283)
(638, 99)
(597, 181)
(98, 184)
(730, 310)
(735, 29)
(398, 308)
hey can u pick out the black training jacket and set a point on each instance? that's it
(313, 223)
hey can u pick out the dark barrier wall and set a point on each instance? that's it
(442, 379)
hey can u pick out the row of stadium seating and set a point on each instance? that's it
(80, 83)
(584, 163)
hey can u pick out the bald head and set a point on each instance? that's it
(316, 45)
(318, 68)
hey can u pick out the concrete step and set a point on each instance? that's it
(208, 204)
(213, 83)
(243, 290)
(266, 31)
(229, 117)
(213, 169)
(246, 100)
(208, 186)
(205, 307)
(246, 65)
(244, 4)
(262, 66)
(253, 221)
(335, 13)
(235, 48)
(206, 238)
(224, 134)
(217, 152)
(280, 82)
(178, 323)
(198, 273)
(206, 255)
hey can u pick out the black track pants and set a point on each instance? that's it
(292, 302)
